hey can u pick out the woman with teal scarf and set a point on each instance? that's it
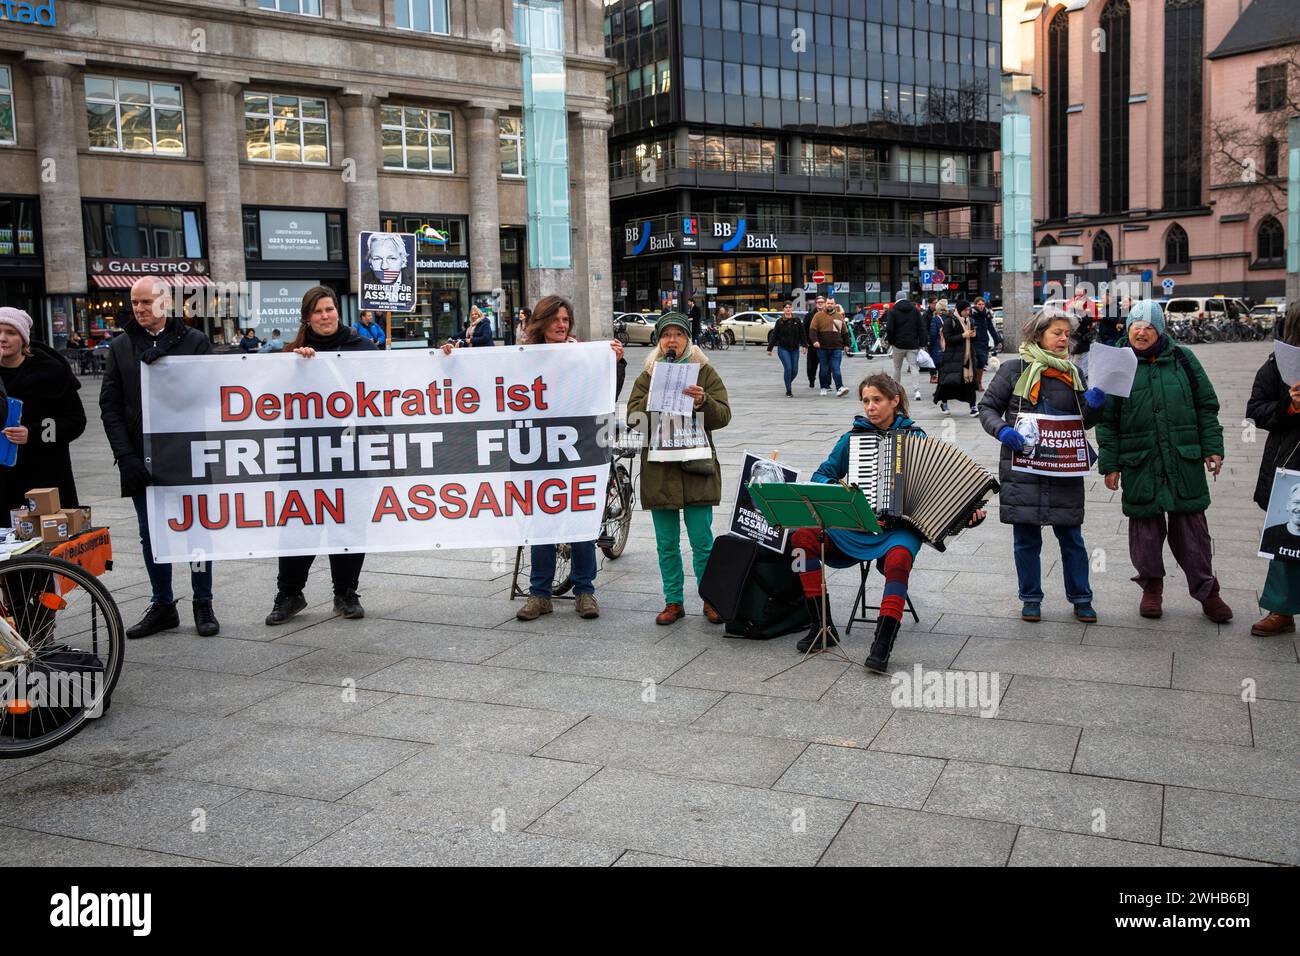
(1042, 381)
(884, 406)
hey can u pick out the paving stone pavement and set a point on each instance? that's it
(441, 730)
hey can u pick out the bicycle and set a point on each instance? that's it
(61, 651)
(712, 339)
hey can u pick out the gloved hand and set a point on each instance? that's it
(1095, 397)
(1011, 438)
(135, 475)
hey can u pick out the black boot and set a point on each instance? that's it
(205, 620)
(157, 617)
(815, 612)
(886, 632)
(285, 607)
(349, 605)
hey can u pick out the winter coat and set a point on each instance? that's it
(374, 332)
(52, 409)
(1034, 499)
(807, 327)
(1270, 401)
(119, 393)
(1159, 437)
(249, 344)
(936, 349)
(481, 334)
(664, 484)
(954, 354)
(831, 331)
(786, 334)
(905, 328)
(985, 331)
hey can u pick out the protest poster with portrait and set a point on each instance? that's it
(386, 265)
(1055, 445)
(1281, 537)
(746, 520)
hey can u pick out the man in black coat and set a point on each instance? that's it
(906, 331)
(153, 333)
(818, 306)
(696, 316)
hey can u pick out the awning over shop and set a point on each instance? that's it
(125, 282)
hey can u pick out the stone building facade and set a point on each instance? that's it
(250, 141)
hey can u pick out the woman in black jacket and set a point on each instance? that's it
(52, 416)
(1275, 407)
(787, 338)
(321, 331)
(957, 371)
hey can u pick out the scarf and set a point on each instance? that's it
(326, 343)
(1038, 362)
(968, 364)
(1151, 353)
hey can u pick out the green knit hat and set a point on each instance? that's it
(673, 318)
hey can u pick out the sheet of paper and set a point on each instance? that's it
(1112, 369)
(1288, 362)
(666, 384)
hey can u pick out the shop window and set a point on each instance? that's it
(8, 131)
(17, 227)
(286, 129)
(310, 8)
(135, 116)
(142, 231)
(511, 138)
(417, 140)
(333, 233)
(423, 16)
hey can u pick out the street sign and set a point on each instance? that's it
(677, 272)
(819, 277)
(925, 256)
(840, 287)
(1168, 286)
(1146, 275)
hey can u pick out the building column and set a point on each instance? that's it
(223, 138)
(484, 205)
(361, 143)
(57, 114)
(592, 275)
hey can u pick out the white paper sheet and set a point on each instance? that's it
(1288, 362)
(1112, 369)
(666, 383)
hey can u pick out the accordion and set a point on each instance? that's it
(927, 485)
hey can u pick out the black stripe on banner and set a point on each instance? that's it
(393, 451)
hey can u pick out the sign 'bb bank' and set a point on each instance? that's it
(40, 12)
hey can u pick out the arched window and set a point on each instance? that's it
(1103, 250)
(1176, 247)
(1184, 93)
(1270, 241)
(1271, 154)
(1058, 104)
(1047, 241)
(1114, 106)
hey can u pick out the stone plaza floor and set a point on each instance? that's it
(441, 730)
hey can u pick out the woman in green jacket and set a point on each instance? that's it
(1161, 442)
(677, 490)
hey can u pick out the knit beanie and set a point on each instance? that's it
(19, 320)
(1148, 311)
(673, 318)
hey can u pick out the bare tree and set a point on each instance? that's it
(1240, 145)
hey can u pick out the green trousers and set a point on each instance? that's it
(1281, 587)
(668, 539)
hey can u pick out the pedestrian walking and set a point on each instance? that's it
(906, 332)
(787, 335)
(1275, 407)
(1042, 381)
(1160, 443)
(957, 373)
(938, 313)
(321, 331)
(696, 316)
(818, 305)
(985, 331)
(681, 491)
(829, 333)
(151, 334)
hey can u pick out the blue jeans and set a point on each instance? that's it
(1028, 544)
(828, 361)
(160, 575)
(582, 568)
(789, 364)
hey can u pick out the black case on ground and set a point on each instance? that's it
(755, 590)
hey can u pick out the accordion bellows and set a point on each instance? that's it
(928, 485)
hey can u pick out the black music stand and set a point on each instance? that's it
(820, 506)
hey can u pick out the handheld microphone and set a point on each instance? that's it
(671, 355)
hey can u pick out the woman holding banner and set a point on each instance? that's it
(1162, 441)
(477, 332)
(321, 331)
(1275, 407)
(677, 490)
(551, 323)
(1043, 381)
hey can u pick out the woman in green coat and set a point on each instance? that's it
(1161, 442)
(677, 490)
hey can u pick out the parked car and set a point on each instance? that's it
(753, 327)
(1195, 308)
(640, 327)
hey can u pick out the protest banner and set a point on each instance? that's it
(1281, 537)
(1055, 445)
(746, 520)
(376, 451)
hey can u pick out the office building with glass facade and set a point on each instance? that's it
(222, 142)
(759, 142)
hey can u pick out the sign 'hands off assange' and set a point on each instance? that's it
(271, 455)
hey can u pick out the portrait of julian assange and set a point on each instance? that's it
(1282, 525)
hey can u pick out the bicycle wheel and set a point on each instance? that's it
(562, 583)
(622, 496)
(727, 339)
(61, 648)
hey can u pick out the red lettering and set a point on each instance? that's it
(453, 497)
(187, 515)
(235, 391)
(268, 407)
(423, 504)
(334, 506)
(294, 507)
(467, 401)
(518, 496)
(485, 500)
(303, 405)
(366, 400)
(549, 505)
(390, 395)
(584, 487)
(339, 404)
(412, 402)
(223, 517)
(388, 505)
(518, 398)
(539, 393)
(241, 520)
